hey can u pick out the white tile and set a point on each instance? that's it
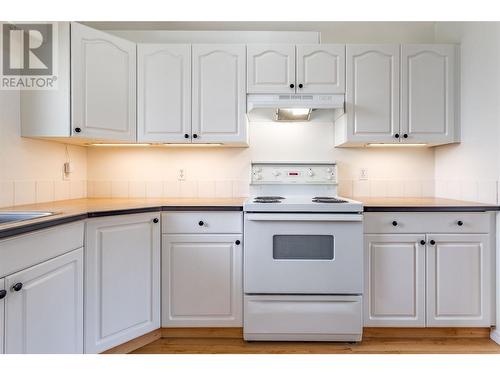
(468, 190)
(61, 190)
(24, 192)
(137, 189)
(241, 189)
(154, 189)
(188, 189)
(90, 189)
(119, 189)
(44, 191)
(487, 192)
(171, 189)
(395, 188)
(77, 189)
(102, 189)
(6, 193)
(378, 188)
(440, 188)
(344, 188)
(412, 188)
(223, 189)
(453, 189)
(428, 188)
(361, 188)
(206, 189)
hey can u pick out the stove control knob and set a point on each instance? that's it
(258, 176)
(329, 177)
(329, 170)
(257, 169)
(276, 173)
(310, 172)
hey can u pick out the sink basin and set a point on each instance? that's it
(13, 216)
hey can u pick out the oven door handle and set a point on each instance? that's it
(304, 217)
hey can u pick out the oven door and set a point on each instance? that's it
(294, 253)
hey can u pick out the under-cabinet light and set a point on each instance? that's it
(191, 144)
(120, 144)
(397, 145)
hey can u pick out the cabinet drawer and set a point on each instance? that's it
(427, 222)
(202, 222)
(27, 250)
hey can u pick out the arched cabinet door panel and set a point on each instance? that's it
(103, 81)
(271, 68)
(321, 68)
(428, 92)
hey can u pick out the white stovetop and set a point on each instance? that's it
(294, 203)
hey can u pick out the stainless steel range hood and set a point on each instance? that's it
(295, 107)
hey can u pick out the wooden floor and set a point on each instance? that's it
(371, 345)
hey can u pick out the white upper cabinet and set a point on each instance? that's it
(219, 93)
(458, 280)
(44, 307)
(372, 93)
(428, 92)
(164, 93)
(271, 68)
(394, 294)
(122, 279)
(103, 80)
(321, 68)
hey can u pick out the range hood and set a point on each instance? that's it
(295, 107)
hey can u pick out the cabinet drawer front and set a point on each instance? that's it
(202, 222)
(27, 250)
(292, 316)
(427, 222)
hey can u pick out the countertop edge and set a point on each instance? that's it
(431, 208)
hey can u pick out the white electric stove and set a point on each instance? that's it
(303, 255)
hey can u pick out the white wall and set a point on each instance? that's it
(225, 172)
(470, 170)
(31, 170)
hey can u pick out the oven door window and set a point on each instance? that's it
(303, 247)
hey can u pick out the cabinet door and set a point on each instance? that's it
(394, 293)
(321, 68)
(122, 269)
(46, 315)
(428, 85)
(271, 68)
(219, 95)
(458, 280)
(164, 93)
(2, 320)
(103, 79)
(202, 281)
(372, 93)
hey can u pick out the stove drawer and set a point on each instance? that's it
(292, 317)
(427, 222)
(202, 222)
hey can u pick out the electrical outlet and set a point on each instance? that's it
(181, 174)
(67, 170)
(363, 174)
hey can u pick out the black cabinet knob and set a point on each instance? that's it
(405, 135)
(292, 85)
(395, 223)
(396, 135)
(3, 293)
(155, 220)
(433, 242)
(300, 85)
(460, 223)
(78, 130)
(186, 136)
(201, 223)
(195, 135)
(422, 242)
(17, 287)
(237, 242)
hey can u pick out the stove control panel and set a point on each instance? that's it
(294, 173)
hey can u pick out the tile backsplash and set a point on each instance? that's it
(40, 191)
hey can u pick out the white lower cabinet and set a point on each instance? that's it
(458, 280)
(122, 279)
(202, 280)
(394, 280)
(439, 277)
(2, 321)
(44, 307)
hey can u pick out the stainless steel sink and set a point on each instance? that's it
(13, 216)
